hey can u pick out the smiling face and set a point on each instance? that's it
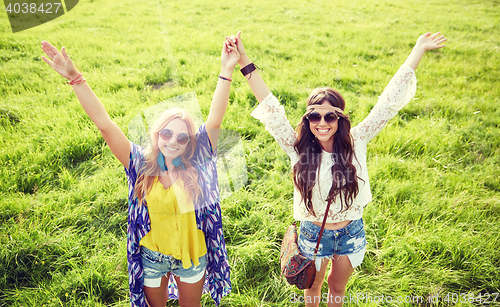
(323, 131)
(171, 148)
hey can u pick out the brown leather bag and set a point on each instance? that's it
(297, 269)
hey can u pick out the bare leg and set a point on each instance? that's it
(190, 294)
(312, 296)
(157, 297)
(337, 280)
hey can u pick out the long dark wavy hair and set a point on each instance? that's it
(345, 184)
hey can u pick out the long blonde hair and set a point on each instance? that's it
(150, 169)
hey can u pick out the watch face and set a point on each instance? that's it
(26, 14)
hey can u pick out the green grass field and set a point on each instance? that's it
(433, 226)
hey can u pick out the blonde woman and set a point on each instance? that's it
(175, 244)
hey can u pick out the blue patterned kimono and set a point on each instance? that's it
(208, 219)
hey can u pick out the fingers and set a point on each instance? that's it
(234, 39)
(46, 48)
(435, 38)
(434, 35)
(440, 39)
(47, 61)
(230, 42)
(232, 48)
(50, 50)
(65, 55)
(46, 52)
(239, 42)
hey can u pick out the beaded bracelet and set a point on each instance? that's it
(79, 82)
(227, 79)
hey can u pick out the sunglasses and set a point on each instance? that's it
(315, 117)
(167, 134)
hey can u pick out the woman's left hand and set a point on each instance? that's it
(230, 55)
(430, 42)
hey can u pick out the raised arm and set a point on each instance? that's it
(269, 111)
(398, 92)
(114, 137)
(229, 58)
(257, 84)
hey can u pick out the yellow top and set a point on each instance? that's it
(173, 224)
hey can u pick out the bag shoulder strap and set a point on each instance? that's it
(321, 231)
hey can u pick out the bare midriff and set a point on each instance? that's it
(334, 226)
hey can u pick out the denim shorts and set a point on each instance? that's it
(156, 265)
(350, 241)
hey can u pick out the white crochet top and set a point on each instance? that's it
(396, 95)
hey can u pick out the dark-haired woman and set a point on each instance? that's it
(329, 165)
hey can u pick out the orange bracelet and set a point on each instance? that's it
(227, 79)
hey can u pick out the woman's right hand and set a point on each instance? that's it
(241, 49)
(258, 86)
(60, 61)
(114, 137)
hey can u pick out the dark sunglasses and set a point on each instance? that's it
(315, 117)
(167, 134)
